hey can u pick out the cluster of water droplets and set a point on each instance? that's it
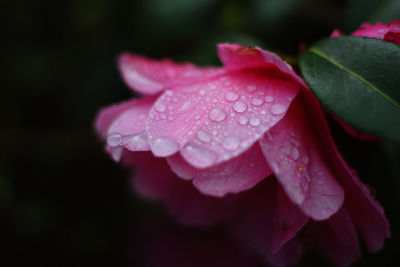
(215, 120)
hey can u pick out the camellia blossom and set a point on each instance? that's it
(246, 144)
(389, 32)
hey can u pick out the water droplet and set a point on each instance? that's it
(197, 117)
(136, 142)
(203, 136)
(243, 120)
(251, 88)
(114, 140)
(255, 121)
(217, 114)
(231, 96)
(257, 101)
(186, 106)
(160, 106)
(230, 143)
(116, 153)
(169, 93)
(295, 153)
(287, 148)
(199, 156)
(277, 109)
(163, 116)
(202, 92)
(244, 144)
(240, 106)
(269, 98)
(164, 146)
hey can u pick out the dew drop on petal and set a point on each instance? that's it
(160, 106)
(240, 106)
(217, 114)
(251, 88)
(200, 156)
(135, 141)
(114, 140)
(231, 96)
(257, 101)
(164, 146)
(116, 153)
(185, 106)
(255, 121)
(203, 136)
(295, 153)
(230, 143)
(269, 98)
(277, 109)
(243, 120)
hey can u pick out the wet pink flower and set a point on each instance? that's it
(389, 32)
(246, 144)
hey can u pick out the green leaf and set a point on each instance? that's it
(358, 79)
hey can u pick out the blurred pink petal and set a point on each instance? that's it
(336, 238)
(269, 221)
(153, 178)
(149, 76)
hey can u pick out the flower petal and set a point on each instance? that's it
(365, 212)
(295, 157)
(355, 133)
(235, 57)
(149, 76)
(215, 120)
(269, 223)
(107, 115)
(336, 238)
(128, 128)
(153, 178)
(233, 176)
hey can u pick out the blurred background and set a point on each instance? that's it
(63, 201)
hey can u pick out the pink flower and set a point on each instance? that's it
(389, 32)
(203, 135)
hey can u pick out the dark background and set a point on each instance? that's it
(63, 201)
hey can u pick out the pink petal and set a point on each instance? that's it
(215, 120)
(336, 238)
(128, 128)
(295, 157)
(106, 116)
(269, 223)
(153, 178)
(236, 57)
(236, 175)
(353, 131)
(365, 212)
(149, 76)
(336, 33)
(372, 31)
